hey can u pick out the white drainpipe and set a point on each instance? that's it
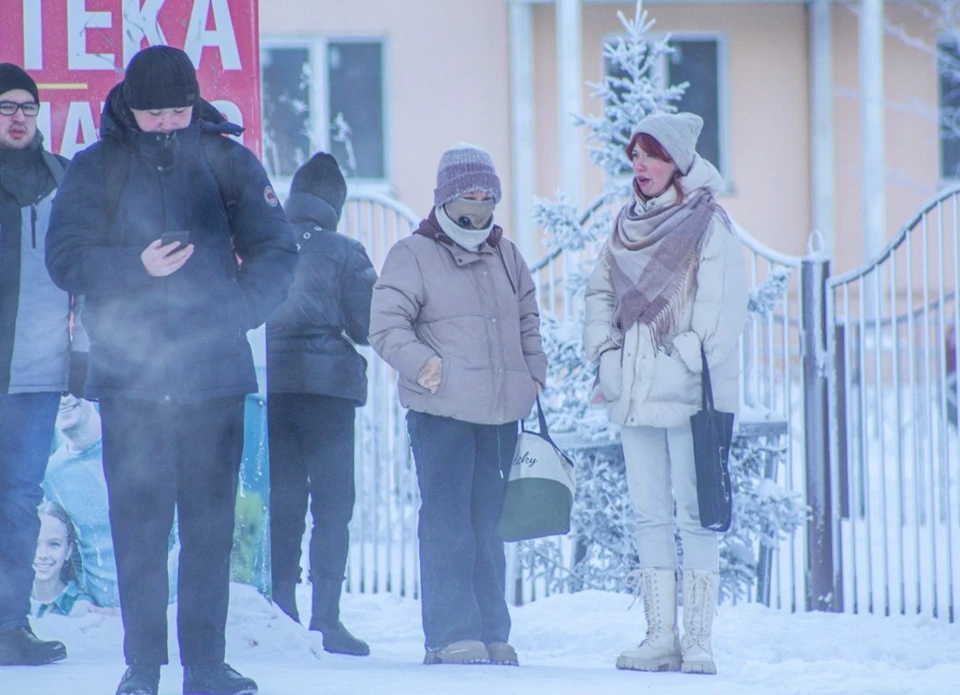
(522, 132)
(570, 83)
(821, 122)
(871, 117)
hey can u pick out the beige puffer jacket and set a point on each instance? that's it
(661, 388)
(477, 311)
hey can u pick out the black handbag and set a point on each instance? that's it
(712, 434)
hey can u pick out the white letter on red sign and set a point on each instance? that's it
(32, 35)
(231, 112)
(79, 20)
(139, 23)
(79, 123)
(222, 36)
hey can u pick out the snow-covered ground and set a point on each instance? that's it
(567, 644)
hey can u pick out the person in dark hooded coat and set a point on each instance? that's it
(315, 381)
(169, 358)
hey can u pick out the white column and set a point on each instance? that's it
(871, 117)
(522, 145)
(570, 83)
(821, 122)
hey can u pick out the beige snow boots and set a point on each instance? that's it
(661, 650)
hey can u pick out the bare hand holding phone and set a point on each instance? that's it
(167, 254)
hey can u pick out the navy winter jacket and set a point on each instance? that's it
(180, 338)
(308, 350)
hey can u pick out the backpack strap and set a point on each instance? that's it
(213, 147)
(116, 168)
(54, 165)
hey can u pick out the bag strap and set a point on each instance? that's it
(544, 432)
(212, 148)
(706, 387)
(54, 165)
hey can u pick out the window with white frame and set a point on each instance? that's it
(699, 60)
(948, 68)
(324, 94)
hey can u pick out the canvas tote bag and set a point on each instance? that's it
(540, 488)
(712, 434)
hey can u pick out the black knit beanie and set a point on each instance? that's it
(321, 176)
(160, 77)
(14, 77)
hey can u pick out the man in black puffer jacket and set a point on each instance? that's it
(315, 380)
(169, 357)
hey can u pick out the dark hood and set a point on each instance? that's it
(431, 228)
(303, 207)
(117, 119)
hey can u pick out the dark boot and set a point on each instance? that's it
(140, 679)
(20, 647)
(216, 679)
(285, 596)
(326, 619)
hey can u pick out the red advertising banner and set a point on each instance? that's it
(77, 50)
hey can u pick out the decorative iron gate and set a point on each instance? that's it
(383, 532)
(891, 356)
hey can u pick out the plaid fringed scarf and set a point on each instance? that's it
(653, 262)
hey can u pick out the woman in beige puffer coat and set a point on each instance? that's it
(670, 278)
(455, 313)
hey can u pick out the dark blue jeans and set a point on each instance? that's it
(26, 435)
(460, 469)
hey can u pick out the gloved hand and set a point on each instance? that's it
(430, 374)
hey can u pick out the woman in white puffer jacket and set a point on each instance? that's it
(671, 276)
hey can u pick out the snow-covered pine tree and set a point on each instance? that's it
(633, 88)
(602, 518)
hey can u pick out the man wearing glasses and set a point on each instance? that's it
(34, 357)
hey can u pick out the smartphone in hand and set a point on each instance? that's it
(170, 237)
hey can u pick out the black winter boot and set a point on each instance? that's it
(326, 619)
(140, 679)
(285, 596)
(20, 647)
(216, 679)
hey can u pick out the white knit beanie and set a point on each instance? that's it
(677, 133)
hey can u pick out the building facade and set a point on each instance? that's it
(411, 77)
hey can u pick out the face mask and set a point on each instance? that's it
(469, 213)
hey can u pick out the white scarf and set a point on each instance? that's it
(469, 239)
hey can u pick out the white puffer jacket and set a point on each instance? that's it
(661, 388)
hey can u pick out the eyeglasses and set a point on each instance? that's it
(29, 108)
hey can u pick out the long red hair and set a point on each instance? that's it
(653, 148)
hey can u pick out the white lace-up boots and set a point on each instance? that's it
(700, 591)
(660, 650)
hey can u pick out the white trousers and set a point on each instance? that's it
(660, 469)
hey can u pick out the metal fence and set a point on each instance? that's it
(857, 370)
(891, 356)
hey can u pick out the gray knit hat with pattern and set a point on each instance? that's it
(464, 168)
(677, 132)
